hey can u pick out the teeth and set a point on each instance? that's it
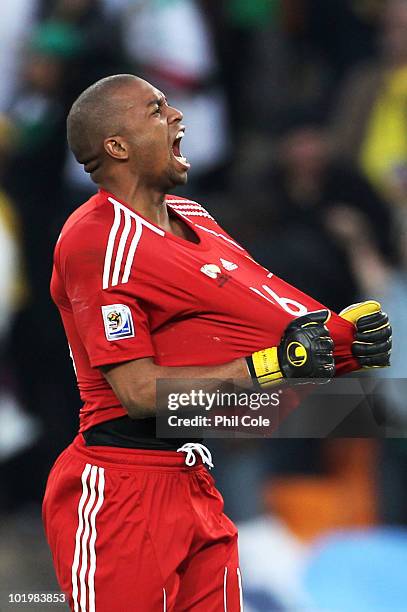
(183, 160)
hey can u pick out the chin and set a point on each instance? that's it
(183, 180)
(180, 178)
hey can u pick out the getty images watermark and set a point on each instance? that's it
(214, 408)
(360, 405)
(214, 401)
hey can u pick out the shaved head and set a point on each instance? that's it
(123, 130)
(95, 115)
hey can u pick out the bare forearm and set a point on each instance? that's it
(135, 382)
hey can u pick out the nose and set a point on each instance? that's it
(175, 114)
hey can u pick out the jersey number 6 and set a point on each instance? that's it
(291, 306)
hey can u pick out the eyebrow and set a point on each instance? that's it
(157, 100)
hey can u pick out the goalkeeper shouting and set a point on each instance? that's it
(149, 286)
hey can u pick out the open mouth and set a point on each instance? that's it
(176, 150)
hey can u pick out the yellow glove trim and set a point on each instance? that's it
(266, 366)
(354, 312)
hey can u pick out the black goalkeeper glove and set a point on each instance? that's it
(305, 351)
(373, 337)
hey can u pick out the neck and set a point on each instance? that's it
(145, 200)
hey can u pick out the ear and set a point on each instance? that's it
(116, 147)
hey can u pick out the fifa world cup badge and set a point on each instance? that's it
(118, 321)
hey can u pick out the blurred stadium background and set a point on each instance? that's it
(296, 114)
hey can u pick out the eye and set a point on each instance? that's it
(159, 107)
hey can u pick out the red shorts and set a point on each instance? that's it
(139, 531)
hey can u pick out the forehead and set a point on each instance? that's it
(139, 94)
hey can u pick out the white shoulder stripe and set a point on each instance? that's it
(131, 253)
(120, 249)
(113, 265)
(110, 245)
(188, 206)
(182, 201)
(196, 213)
(133, 214)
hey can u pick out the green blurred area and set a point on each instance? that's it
(253, 13)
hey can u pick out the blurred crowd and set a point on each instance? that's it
(296, 115)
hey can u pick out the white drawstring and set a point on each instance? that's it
(202, 450)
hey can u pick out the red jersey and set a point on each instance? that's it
(126, 289)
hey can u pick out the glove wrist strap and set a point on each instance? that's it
(264, 367)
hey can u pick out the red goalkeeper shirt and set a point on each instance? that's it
(126, 289)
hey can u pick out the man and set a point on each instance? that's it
(150, 287)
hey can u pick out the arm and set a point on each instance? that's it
(305, 351)
(134, 382)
